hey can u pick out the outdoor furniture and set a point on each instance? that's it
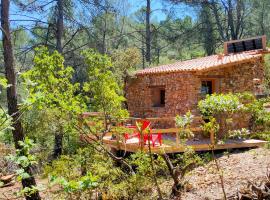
(155, 139)
(149, 137)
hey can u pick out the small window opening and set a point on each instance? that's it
(158, 97)
(162, 97)
(207, 87)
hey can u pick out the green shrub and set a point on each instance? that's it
(219, 103)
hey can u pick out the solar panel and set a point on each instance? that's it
(237, 46)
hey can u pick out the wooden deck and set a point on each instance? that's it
(198, 145)
(170, 143)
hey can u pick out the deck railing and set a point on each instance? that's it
(155, 130)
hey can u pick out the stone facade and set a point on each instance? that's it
(183, 89)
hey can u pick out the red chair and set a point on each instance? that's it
(155, 139)
(144, 124)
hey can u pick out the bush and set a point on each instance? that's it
(219, 103)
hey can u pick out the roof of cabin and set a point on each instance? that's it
(204, 63)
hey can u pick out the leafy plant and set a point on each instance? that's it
(219, 103)
(72, 186)
(49, 83)
(184, 122)
(103, 87)
(239, 134)
(50, 89)
(211, 126)
(25, 160)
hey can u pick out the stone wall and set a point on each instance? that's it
(182, 89)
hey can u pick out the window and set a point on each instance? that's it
(158, 96)
(207, 87)
(162, 97)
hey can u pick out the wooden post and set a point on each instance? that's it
(264, 42)
(212, 137)
(225, 48)
(177, 139)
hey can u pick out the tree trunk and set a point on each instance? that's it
(218, 21)
(58, 137)
(174, 174)
(104, 34)
(261, 19)
(13, 109)
(143, 52)
(60, 26)
(148, 32)
(231, 21)
(207, 29)
(58, 145)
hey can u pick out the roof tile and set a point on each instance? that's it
(203, 63)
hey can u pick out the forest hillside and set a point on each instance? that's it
(135, 99)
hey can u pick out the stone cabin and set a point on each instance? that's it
(173, 89)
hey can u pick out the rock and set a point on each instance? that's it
(6, 179)
(8, 184)
(188, 187)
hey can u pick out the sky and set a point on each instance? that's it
(182, 10)
(157, 7)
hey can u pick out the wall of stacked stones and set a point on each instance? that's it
(183, 90)
(237, 78)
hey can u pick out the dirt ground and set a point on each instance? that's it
(9, 193)
(238, 167)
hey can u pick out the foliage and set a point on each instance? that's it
(24, 158)
(141, 161)
(49, 83)
(211, 126)
(40, 126)
(263, 135)
(218, 103)
(184, 122)
(219, 111)
(28, 191)
(260, 114)
(5, 119)
(83, 183)
(5, 125)
(110, 181)
(125, 62)
(3, 83)
(102, 85)
(239, 134)
(54, 101)
(62, 167)
(188, 160)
